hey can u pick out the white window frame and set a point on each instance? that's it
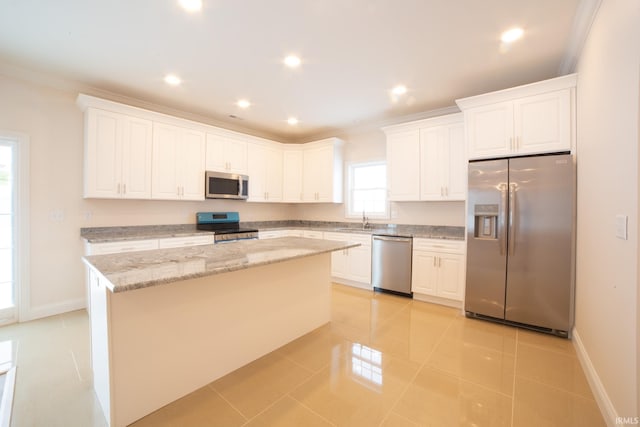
(350, 173)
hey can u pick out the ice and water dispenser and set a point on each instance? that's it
(486, 222)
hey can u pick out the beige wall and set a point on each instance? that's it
(607, 267)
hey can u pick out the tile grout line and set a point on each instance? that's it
(515, 370)
(227, 402)
(310, 409)
(422, 365)
(75, 364)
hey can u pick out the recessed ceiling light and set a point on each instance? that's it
(243, 103)
(292, 121)
(399, 90)
(191, 5)
(292, 61)
(172, 79)
(511, 35)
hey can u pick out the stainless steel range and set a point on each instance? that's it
(225, 225)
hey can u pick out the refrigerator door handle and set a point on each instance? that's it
(512, 214)
(502, 218)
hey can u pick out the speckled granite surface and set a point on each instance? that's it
(136, 270)
(111, 234)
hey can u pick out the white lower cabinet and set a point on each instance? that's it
(353, 265)
(438, 270)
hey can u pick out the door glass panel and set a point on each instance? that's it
(7, 197)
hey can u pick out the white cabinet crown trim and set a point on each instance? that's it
(537, 88)
(454, 118)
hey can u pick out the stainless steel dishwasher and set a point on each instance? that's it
(391, 264)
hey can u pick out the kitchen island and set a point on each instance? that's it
(167, 322)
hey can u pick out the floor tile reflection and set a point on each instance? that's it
(383, 360)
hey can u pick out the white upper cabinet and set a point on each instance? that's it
(322, 171)
(443, 172)
(531, 119)
(264, 163)
(226, 153)
(178, 163)
(426, 159)
(117, 155)
(292, 174)
(403, 165)
(135, 153)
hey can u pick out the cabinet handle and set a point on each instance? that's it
(124, 188)
(441, 192)
(517, 142)
(434, 261)
(439, 262)
(118, 189)
(178, 190)
(446, 191)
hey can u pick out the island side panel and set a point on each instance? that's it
(169, 340)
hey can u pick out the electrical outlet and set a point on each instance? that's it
(56, 215)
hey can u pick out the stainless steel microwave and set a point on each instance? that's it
(220, 185)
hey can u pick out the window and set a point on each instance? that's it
(367, 190)
(7, 215)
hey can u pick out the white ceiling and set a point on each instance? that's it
(353, 53)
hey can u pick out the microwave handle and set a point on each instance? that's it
(241, 185)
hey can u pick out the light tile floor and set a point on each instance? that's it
(382, 361)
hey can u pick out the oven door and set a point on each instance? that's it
(219, 185)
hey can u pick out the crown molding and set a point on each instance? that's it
(582, 21)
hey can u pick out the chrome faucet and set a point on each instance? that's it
(365, 221)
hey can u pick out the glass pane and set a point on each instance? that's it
(6, 295)
(6, 157)
(374, 176)
(6, 265)
(6, 231)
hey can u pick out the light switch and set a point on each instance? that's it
(621, 226)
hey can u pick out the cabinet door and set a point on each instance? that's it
(543, 122)
(103, 139)
(214, 157)
(311, 175)
(257, 171)
(433, 163)
(403, 163)
(456, 175)
(226, 154)
(192, 154)
(165, 173)
(424, 274)
(292, 176)
(236, 155)
(359, 264)
(136, 158)
(323, 157)
(274, 174)
(450, 276)
(489, 130)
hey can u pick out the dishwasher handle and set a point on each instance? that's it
(393, 239)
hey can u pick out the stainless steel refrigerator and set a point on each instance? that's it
(520, 242)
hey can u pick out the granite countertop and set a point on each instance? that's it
(137, 270)
(112, 234)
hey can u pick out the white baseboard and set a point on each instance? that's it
(597, 388)
(437, 300)
(34, 313)
(353, 283)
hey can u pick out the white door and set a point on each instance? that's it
(450, 276)
(489, 130)
(424, 273)
(136, 158)
(215, 160)
(360, 264)
(457, 170)
(432, 163)
(8, 229)
(274, 174)
(292, 176)
(542, 122)
(165, 181)
(236, 155)
(103, 153)
(192, 155)
(403, 163)
(257, 171)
